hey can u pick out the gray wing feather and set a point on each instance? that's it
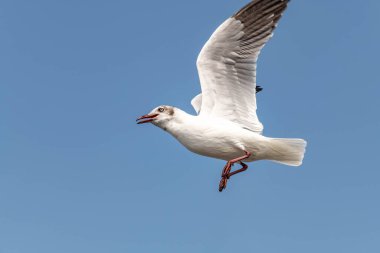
(227, 63)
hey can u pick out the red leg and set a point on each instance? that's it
(244, 168)
(226, 171)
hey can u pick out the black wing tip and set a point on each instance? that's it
(258, 89)
(253, 3)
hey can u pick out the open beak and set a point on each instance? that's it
(146, 118)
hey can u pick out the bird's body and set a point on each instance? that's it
(227, 126)
(210, 137)
(226, 140)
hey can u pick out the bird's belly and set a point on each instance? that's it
(213, 148)
(217, 145)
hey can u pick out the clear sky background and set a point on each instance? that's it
(78, 175)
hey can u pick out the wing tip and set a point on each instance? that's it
(242, 12)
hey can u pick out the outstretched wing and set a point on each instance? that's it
(227, 63)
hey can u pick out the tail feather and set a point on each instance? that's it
(287, 151)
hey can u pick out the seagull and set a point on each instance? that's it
(226, 126)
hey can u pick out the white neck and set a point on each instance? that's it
(177, 122)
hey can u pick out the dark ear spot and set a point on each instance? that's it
(170, 111)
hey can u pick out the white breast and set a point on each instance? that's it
(214, 138)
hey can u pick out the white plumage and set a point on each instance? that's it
(228, 80)
(227, 126)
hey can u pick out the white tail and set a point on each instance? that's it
(287, 151)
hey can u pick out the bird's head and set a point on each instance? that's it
(159, 116)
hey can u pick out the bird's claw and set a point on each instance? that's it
(223, 183)
(226, 173)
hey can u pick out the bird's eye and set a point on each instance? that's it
(161, 109)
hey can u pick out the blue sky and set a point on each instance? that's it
(78, 175)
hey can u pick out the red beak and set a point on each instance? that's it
(146, 118)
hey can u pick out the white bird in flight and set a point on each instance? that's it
(227, 126)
